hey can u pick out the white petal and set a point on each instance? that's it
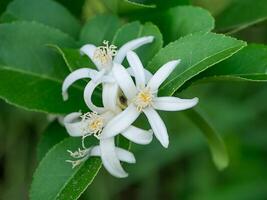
(120, 122)
(123, 155)
(138, 135)
(148, 74)
(157, 126)
(162, 74)
(138, 69)
(74, 76)
(110, 159)
(72, 123)
(110, 95)
(87, 95)
(173, 103)
(89, 50)
(107, 116)
(131, 45)
(124, 80)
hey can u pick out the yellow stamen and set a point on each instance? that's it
(92, 123)
(143, 99)
(104, 54)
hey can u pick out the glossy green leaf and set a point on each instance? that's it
(52, 135)
(32, 73)
(162, 4)
(47, 12)
(241, 14)
(36, 92)
(57, 179)
(248, 64)
(73, 58)
(183, 20)
(134, 30)
(216, 144)
(98, 29)
(197, 52)
(126, 6)
(27, 42)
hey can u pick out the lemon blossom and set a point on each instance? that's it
(103, 57)
(142, 97)
(92, 123)
(78, 125)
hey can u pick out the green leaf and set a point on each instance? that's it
(183, 20)
(76, 8)
(123, 142)
(241, 14)
(27, 42)
(98, 29)
(248, 64)
(134, 30)
(52, 135)
(31, 73)
(216, 144)
(73, 58)
(178, 21)
(197, 52)
(47, 12)
(125, 6)
(37, 93)
(3, 5)
(55, 179)
(159, 4)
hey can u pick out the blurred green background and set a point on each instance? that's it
(238, 110)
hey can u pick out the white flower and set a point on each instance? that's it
(142, 97)
(103, 57)
(79, 125)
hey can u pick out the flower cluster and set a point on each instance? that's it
(126, 93)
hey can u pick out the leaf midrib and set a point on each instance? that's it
(193, 66)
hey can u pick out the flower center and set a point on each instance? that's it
(92, 123)
(104, 54)
(143, 99)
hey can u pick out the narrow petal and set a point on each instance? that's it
(72, 123)
(138, 69)
(173, 103)
(107, 116)
(131, 45)
(89, 50)
(148, 74)
(157, 126)
(110, 95)
(120, 122)
(123, 155)
(162, 74)
(74, 76)
(124, 80)
(138, 135)
(87, 95)
(110, 159)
